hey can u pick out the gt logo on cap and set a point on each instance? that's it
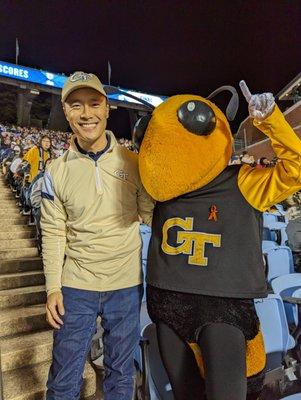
(80, 76)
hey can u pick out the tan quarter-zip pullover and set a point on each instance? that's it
(89, 220)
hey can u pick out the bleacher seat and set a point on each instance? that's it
(267, 245)
(279, 260)
(276, 215)
(296, 294)
(285, 286)
(156, 382)
(269, 218)
(145, 232)
(277, 232)
(273, 322)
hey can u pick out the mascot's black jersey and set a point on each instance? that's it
(208, 242)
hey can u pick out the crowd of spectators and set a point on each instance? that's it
(24, 154)
(245, 158)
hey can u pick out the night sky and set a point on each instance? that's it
(160, 47)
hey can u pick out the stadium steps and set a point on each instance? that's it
(18, 253)
(25, 336)
(28, 383)
(20, 297)
(9, 213)
(20, 265)
(8, 203)
(5, 191)
(6, 196)
(21, 279)
(22, 233)
(22, 319)
(15, 220)
(17, 243)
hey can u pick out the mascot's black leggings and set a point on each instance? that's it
(224, 353)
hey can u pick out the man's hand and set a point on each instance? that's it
(260, 105)
(55, 308)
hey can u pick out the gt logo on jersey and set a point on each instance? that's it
(191, 243)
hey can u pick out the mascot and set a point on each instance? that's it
(205, 263)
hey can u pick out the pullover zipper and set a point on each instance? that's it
(97, 178)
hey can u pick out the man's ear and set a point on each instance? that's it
(108, 111)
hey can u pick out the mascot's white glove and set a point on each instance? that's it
(260, 105)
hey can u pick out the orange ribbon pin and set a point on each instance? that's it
(213, 213)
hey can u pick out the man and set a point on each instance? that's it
(92, 197)
(5, 148)
(37, 156)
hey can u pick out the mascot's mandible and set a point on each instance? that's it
(205, 263)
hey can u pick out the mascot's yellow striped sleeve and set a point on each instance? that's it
(263, 188)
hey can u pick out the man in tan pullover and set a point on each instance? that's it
(92, 197)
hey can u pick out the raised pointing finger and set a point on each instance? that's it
(245, 90)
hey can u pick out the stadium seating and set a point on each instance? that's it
(276, 232)
(145, 232)
(155, 382)
(285, 286)
(278, 341)
(279, 261)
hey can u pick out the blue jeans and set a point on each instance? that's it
(120, 313)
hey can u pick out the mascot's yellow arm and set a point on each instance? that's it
(263, 188)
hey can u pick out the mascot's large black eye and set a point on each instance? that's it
(197, 117)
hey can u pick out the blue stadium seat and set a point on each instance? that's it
(277, 340)
(269, 218)
(145, 232)
(296, 294)
(268, 245)
(156, 382)
(279, 260)
(278, 215)
(144, 317)
(281, 213)
(278, 229)
(285, 286)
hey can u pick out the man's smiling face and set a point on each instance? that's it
(87, 112)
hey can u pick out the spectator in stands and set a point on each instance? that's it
(5, 149)
(35, 197)
(37, 156)
(263, 162)
(13, 167)
(6, 143)
(128, 144)
(91, 200)
(235, 160)
(274, 161)
(7, 157)
(18, 156)
(247, 159)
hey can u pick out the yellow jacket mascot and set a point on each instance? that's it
(205, 263)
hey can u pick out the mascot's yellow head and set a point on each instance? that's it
(185, 144)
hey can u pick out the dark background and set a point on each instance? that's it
(160, 47)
